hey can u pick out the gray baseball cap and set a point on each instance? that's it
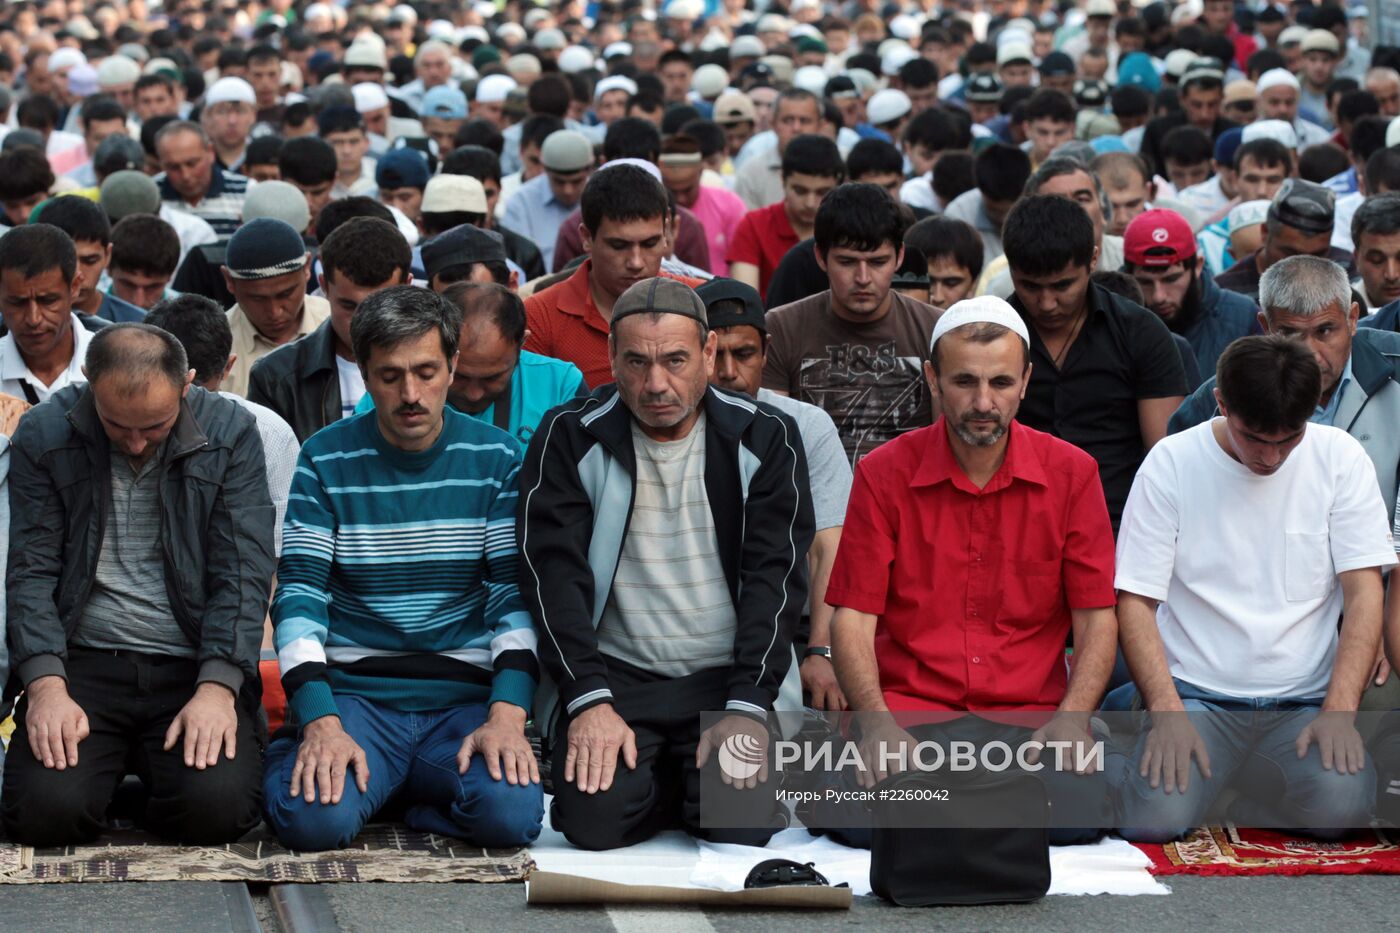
(661, 295)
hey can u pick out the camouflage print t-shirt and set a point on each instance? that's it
(868, 377)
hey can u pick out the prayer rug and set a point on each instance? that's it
(383, 852)
(1228, 850)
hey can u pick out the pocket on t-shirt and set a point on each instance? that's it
(1307, 565)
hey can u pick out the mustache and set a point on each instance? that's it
(410, 410)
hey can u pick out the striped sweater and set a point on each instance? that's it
(397, 581)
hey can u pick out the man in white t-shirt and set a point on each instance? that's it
(1243, 541)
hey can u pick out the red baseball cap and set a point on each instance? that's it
(1158, 238)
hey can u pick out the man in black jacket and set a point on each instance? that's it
(663, 533)
(314, 380)
(142, 558)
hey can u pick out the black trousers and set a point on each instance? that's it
(130, 701)
(663, 791)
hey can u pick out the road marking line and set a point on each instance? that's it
(649, 919)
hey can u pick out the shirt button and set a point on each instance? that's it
(976, 660)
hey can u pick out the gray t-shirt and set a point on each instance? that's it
(670, 611)
(129, 608)
(828, 470)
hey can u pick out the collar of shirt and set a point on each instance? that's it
(1329, 414)
(940, 465)
(13, 366)
(246, 335)
(576, 298)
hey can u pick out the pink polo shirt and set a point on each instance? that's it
(719, 211)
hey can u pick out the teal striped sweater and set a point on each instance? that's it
(397, 577)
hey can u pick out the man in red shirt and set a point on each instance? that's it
(626, 234)
(971, 549)
(812, 166)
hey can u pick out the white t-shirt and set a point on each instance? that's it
(352, 385)
(1246, 566)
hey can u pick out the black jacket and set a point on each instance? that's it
(524, 254)
(300, 382)
(577, 485)
(216, 532)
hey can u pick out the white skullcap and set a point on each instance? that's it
(317, 11)
(66, 57)
(230, 90)
(709, 81)
(649, 167)
(369, 96)
(441, 29)
(1292, 35)
(1271, 129)
(895, 59)
(887, 106)
(1178, 61)
(714, 41)
(615, 83)
(574, 59)
(811, 78)
(1275, 77)
(617, 48)
(473, 32)
(986, 309)
(1247, 215)
(904, 27)
(117, 69)
(747, 47)
(493, 89)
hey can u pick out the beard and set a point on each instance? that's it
(1190, 310)
(963, 427)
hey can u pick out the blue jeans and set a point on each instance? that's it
(415, 753)
(1251, 747)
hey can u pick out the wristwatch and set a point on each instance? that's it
(817, 651)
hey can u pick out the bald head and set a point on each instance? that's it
(129, 357)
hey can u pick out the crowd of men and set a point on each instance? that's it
(549, 375)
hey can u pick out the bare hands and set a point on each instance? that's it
(54, 723)
(883, 745)
(326, 752)
(208, 722)
(1067, 727)
(756, 743)
(1340, 745)
(596, 736)
(501, 741)
(1166, 758)
(819, 681)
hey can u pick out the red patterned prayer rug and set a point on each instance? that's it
(1226, 850)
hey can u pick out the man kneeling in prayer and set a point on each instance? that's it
(1244, 540)
(406, 653)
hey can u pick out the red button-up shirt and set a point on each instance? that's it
(974, 587)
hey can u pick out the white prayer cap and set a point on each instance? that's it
(369, 97)
(1271, 129)
(986, 309)
(493, 89)
(614, 83)
(1247, 215)
(1275, 77)
(66, 57)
